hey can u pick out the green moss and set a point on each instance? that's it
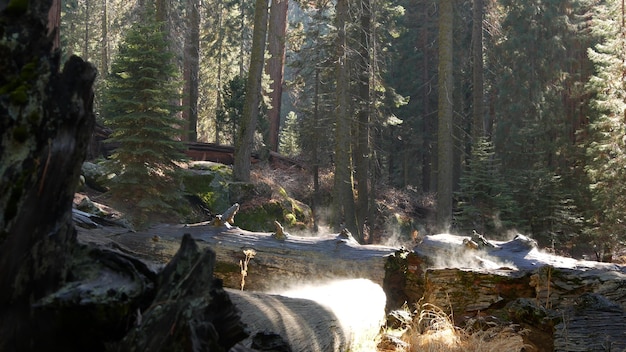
(17, 7)
(20, 134)
(260, 218)
(29, 71)
(290, 219)
(223, 267)
(33, 117)
(20, 95)
(211, 187)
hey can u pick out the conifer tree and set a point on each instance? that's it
(606, 164)
(138, 106)
(289, 137)
(485, 202)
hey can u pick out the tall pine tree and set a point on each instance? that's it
(138, 107)
(606, 164)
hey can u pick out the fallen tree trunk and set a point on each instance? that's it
(277, 263)
(564, 303)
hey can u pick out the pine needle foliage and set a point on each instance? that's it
(606, 145)
(289, 136)
(485, 203)
(139, 107)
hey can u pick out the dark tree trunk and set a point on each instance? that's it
(445, 142)
(104, 65)
(46, 123)
(243, 144)
(190, 72)
(477, 71)
(343, 196)
(428, 128)
(363, 152)
(275, 65)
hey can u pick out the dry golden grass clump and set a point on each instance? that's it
(433, 331)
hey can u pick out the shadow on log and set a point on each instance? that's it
(191, 311)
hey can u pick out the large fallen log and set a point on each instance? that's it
(564, 303)
(560, 303)
(277, 263)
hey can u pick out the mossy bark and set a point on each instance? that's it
(46, 120)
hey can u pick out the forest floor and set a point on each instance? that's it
(404, 214)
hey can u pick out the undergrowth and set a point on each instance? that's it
(432, 330)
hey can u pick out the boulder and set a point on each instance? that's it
(95, 175)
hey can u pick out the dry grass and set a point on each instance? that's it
(434, 331)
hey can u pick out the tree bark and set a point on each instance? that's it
(362, 160)
(275, 66)
(477, 71)
(428, 128)
(54, 23)
(445, 142)
(243, 145)
(277, 262)
(190, 305)
(190, 71)
(46, 124)
(343, 197)
(104, 64)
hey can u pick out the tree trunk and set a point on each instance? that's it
(445, 142)
(86, 37)
(219, 106)
(54, 23)
(104, 64)
(343, 197)
(428, 129)
(190, 305)
(275, 66)
(190, 71)
(315, 152)
(243, 145)
(477, 71)
(300, 259)
(46, 125)
(362, 160)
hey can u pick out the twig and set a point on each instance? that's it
(250, 253)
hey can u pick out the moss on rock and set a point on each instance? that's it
(211, 184)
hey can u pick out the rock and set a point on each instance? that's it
(90, 207)
(95, 176)
(210, 183)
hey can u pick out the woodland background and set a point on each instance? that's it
(500, 115)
